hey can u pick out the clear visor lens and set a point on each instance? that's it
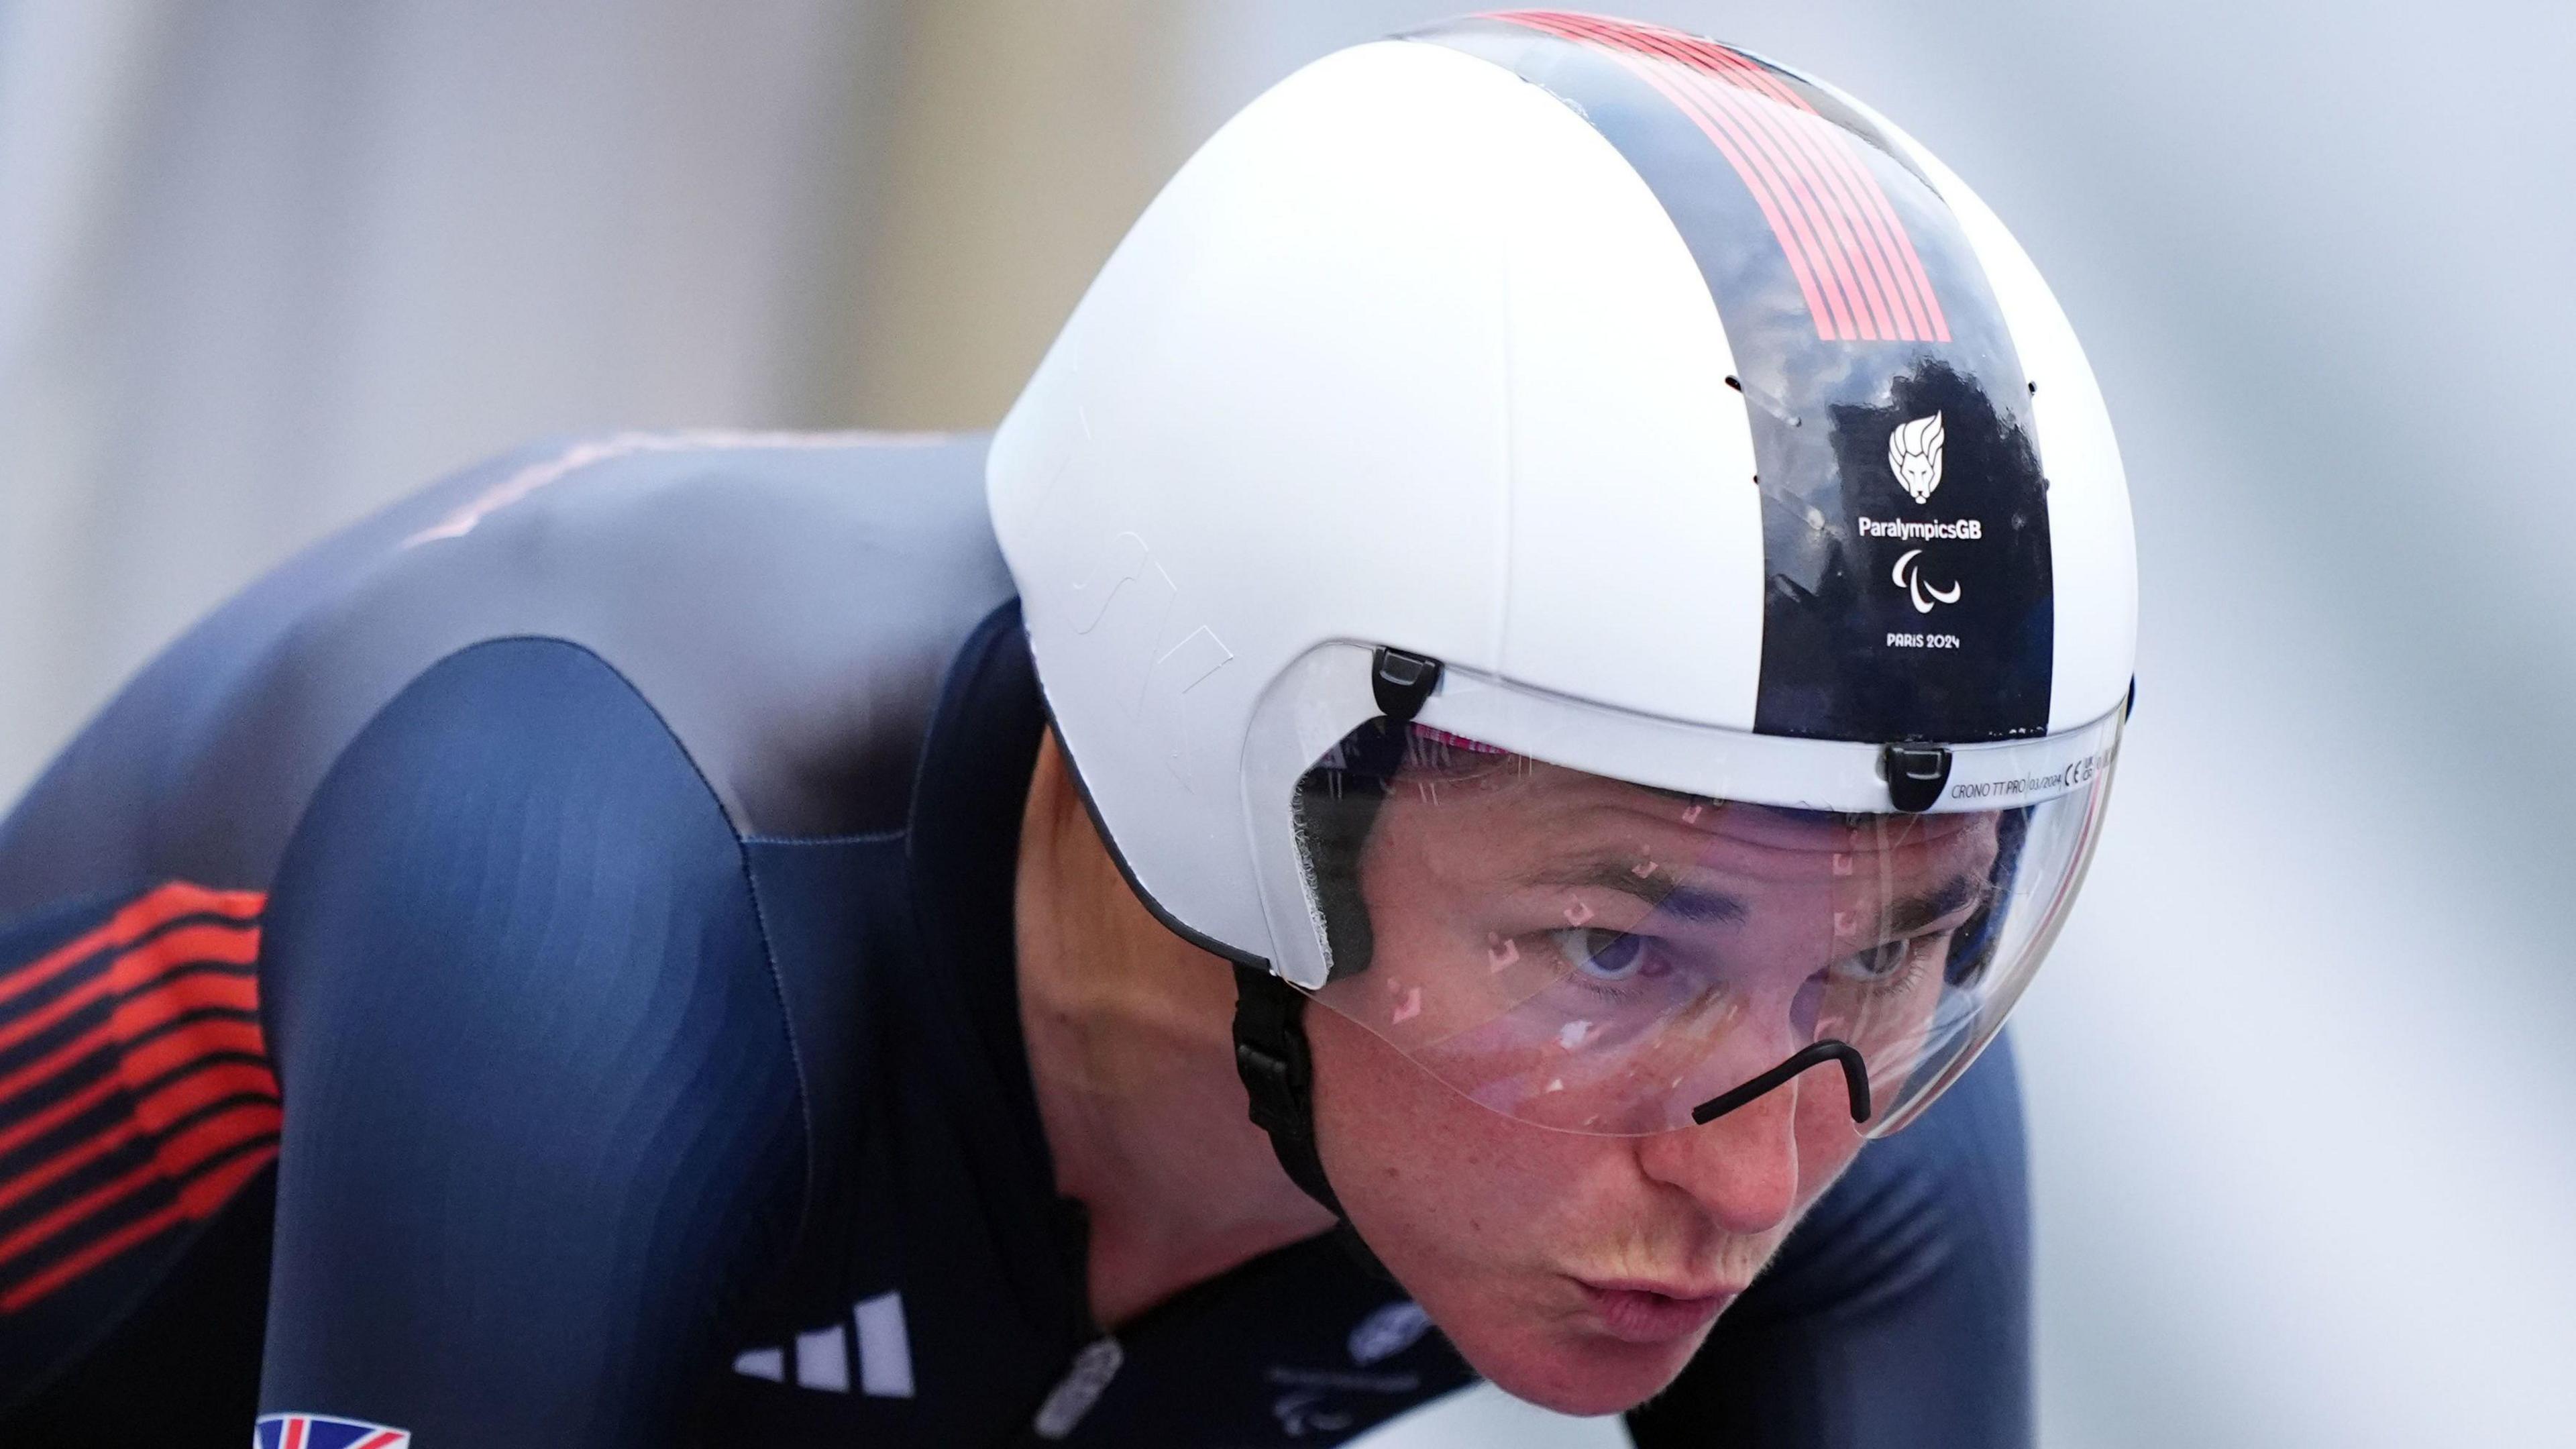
(1597, 956)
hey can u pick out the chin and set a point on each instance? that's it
(1586, 1375)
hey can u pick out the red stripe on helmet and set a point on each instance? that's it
(1855, 264)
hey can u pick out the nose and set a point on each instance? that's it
(1742, 1169)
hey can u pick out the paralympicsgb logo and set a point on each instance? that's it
(1914, 454)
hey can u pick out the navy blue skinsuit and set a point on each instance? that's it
(537, 970)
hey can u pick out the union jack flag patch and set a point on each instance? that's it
(315, 1431)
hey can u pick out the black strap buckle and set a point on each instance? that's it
(1270, 1055)
(1278, 1075)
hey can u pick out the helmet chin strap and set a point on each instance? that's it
(1278, 1072)
(1270, 1051)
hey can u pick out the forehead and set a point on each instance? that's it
(1528, 813)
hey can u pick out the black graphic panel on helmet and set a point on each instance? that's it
(1886, 617)
(1905, 524)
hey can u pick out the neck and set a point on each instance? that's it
(1132, 1052)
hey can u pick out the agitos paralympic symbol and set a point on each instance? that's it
(1924, 596)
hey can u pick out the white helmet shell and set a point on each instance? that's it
(1473, 344)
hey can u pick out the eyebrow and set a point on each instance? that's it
(1686, 902)
(1917, 911)
(1707, 907)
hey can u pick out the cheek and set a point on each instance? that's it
(1827, 1140)
(1433, 1181)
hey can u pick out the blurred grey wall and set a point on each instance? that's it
(2299, 1072)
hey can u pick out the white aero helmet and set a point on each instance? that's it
(1593, 556)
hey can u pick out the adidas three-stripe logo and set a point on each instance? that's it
(822, 1358)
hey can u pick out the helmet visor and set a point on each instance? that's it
(1600, 956)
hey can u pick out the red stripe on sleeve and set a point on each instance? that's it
(146, 914)
(148, 1226)
(215, 1187)
(98, 1199)
(204, 1141)
(208, 1160)
(167, 1001)
(197, 1199)
(186, 946)
(53, 1013)
(64, 1163)
(37, 1124)
(230, 945)
(159, 1057)
(201, 1089)
(49, 1066)
(174, 1159)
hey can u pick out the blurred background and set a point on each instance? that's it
(2294, 1070)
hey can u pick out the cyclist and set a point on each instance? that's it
(1587, 556)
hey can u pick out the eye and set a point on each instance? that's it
(1877, 965)
(1605, 955)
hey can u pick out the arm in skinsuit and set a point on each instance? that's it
(543, 1141)
(1899, 1311)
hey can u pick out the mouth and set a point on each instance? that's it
(1646, 1312)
